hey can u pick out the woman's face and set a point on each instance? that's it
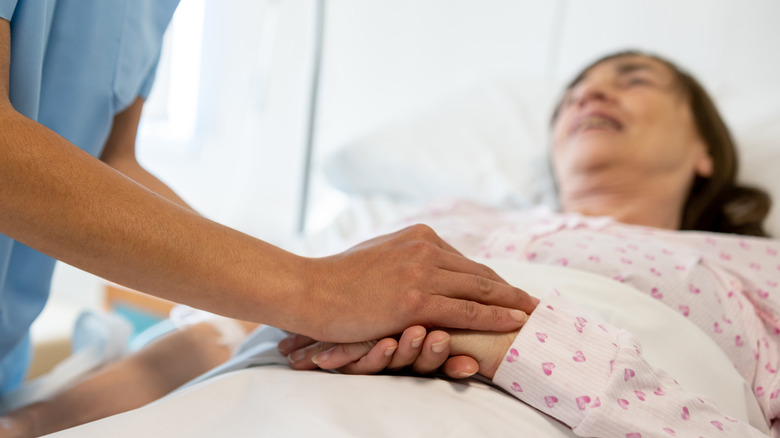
(628, 116)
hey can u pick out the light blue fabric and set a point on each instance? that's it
(74, 65)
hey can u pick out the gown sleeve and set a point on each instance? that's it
(592, 377)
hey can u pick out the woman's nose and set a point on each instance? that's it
(591, 91)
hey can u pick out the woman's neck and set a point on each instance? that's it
(655, 205)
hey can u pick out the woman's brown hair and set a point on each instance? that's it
(716, 203)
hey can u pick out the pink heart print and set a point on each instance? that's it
(769, 368)
(516, 387)
(685, 310)
(775, 394)
(550, 400)
(582, 402)
(693, 289)
(670, 431)
(513, 355)
(634, 435)
(547, 367)
(640, 395)
(623, 403)
(717, 424)
(597, 402)
(762, 293)
(542, 337)
(717, 328)
(579, 356)
(685, 414)
(760, 391)
(658, 392)
(656, 294)
(738, 340)
(628, 373)
(580, 324)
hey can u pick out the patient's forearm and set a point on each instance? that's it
(128, 383)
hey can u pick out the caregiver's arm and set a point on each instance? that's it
(120, 152)
(62, 201)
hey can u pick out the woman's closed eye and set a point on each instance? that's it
(637, 81)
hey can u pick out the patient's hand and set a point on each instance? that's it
(423, 352)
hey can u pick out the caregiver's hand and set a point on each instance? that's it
(423, 352)
(395, 281)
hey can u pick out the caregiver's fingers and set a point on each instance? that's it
(375, 361)
(460, 367)
(459, 277)
(329, 356)
(434, 353)
(409, 346)
(294, 342)
(469, 315)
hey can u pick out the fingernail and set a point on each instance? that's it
(417, 342)
(321, 357)
(296, 355)
(518, 315)
(440, 346)
(465, 374)
(390, 350)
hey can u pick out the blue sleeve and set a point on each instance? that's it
(146, 86)
(7, 8)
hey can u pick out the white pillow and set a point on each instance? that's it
(482, 143)
(488, 143)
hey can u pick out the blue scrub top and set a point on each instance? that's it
(74, 65)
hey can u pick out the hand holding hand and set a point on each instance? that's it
(395, 281)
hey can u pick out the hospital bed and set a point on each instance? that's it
(395, 131)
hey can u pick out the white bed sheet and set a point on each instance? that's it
(269, 399)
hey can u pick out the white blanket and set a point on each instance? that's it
(269, 399)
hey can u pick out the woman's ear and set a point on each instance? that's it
(704, 166)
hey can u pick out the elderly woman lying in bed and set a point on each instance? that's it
(639, 153)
